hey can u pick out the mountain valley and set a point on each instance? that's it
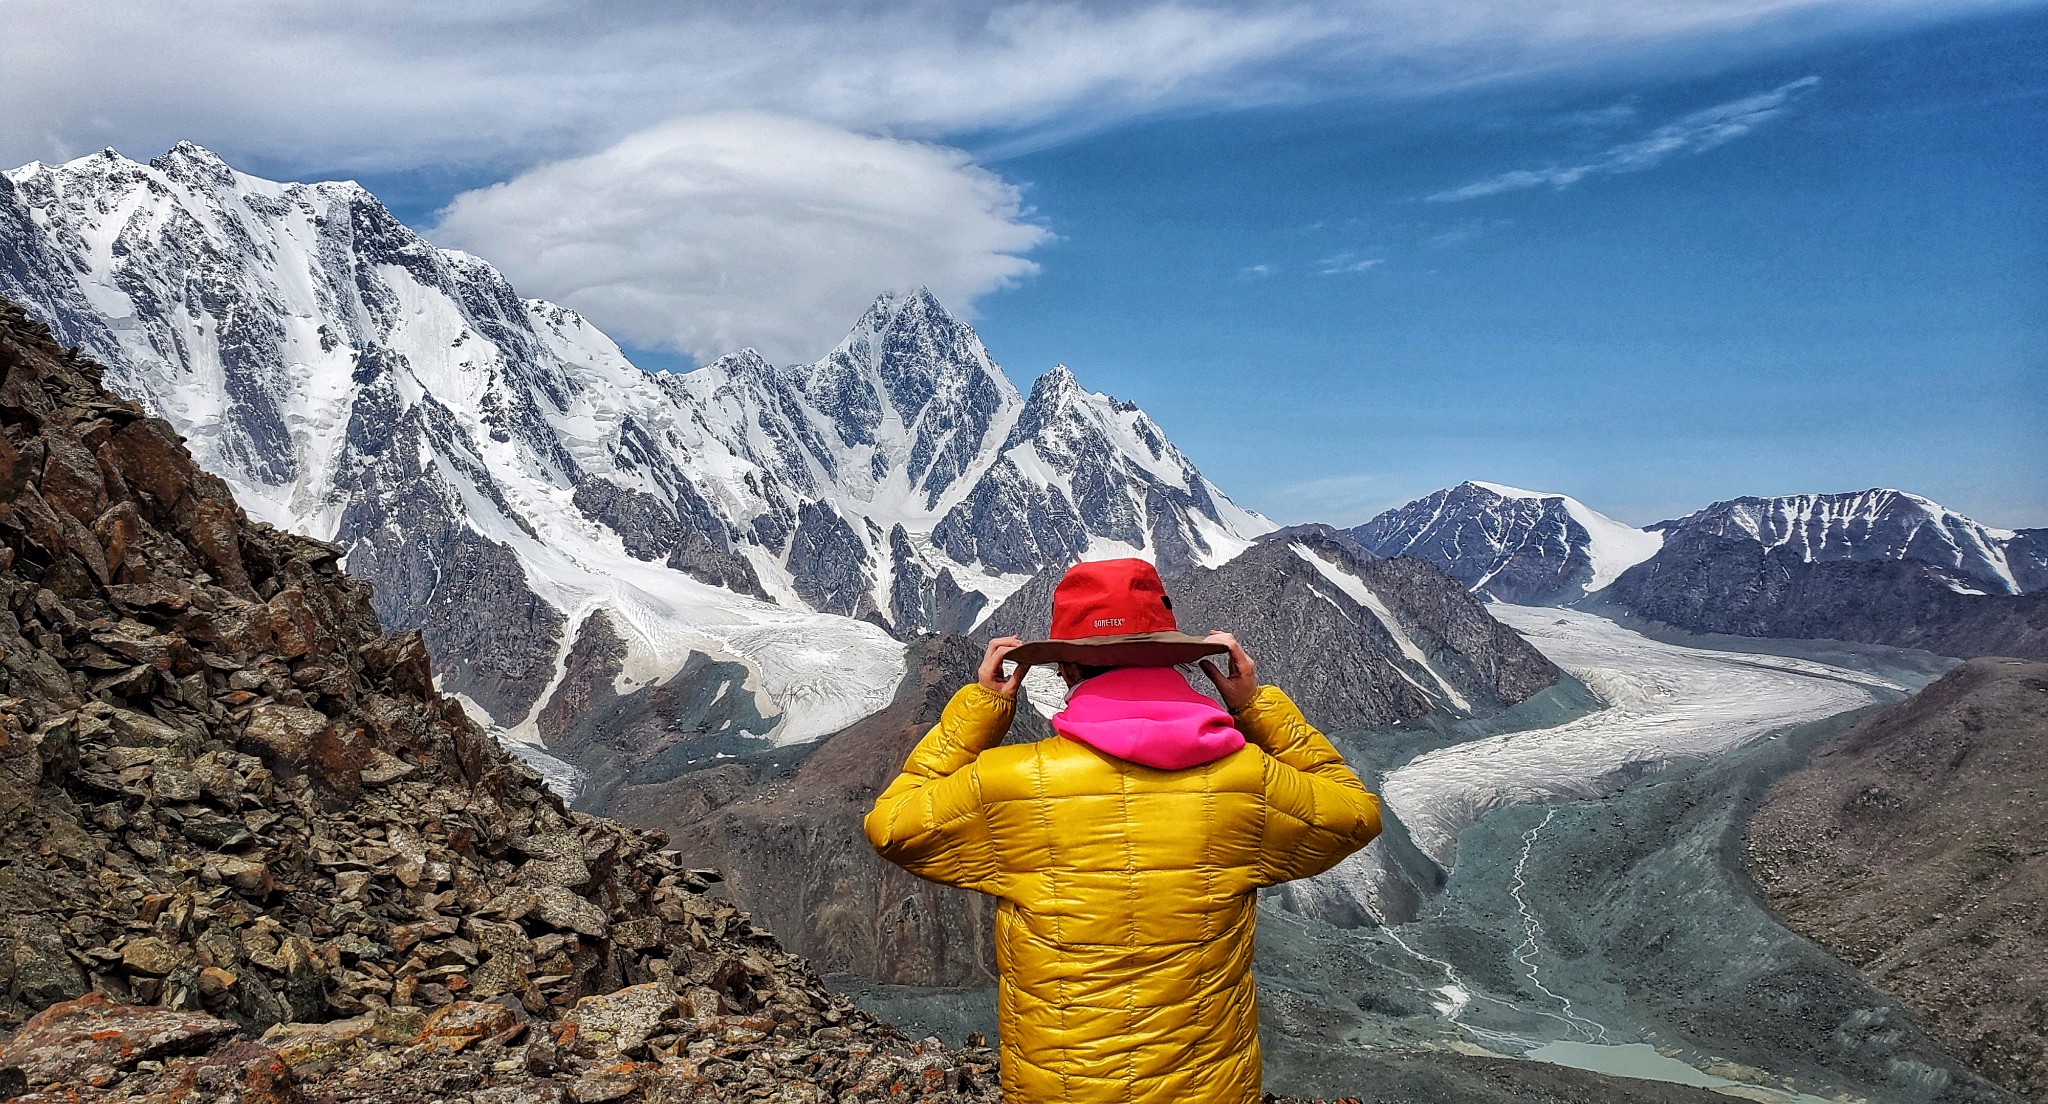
(720, 605)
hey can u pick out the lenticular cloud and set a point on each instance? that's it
(715, 231)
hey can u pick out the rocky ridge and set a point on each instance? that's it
(1709, 582)
(1359, 641)
(1876, 567)
(254, 855)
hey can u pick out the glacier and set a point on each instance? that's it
(1663, 704)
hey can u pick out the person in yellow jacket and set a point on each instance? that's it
(1128, 849)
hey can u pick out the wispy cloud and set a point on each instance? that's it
(371, 85)
(1595, 118)
(1469, 230)
(1343, 264)
(1694, 133)
(1256, 272)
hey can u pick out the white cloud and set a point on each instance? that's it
(1470, 230)
(1255, 272)
(1343, 264)
(1699, 131)
(744, 228)
(382, 84)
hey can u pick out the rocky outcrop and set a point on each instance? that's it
(1910, 846)
(1358, 641)
(234, 807)
(646, 734)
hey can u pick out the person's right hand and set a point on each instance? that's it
(991, 674)
(1242, 682)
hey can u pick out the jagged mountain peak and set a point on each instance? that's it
(193, 159)
(1059, 377)
(1509, 543)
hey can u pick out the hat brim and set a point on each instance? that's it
(1153, 649)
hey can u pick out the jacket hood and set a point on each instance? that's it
(1149, 716)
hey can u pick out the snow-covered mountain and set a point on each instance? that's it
(1509, 544)
(499, 470)
(1877, 525)
(1878, 566)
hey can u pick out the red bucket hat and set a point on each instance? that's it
(1114, 613)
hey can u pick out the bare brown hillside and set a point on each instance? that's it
(1915, 847)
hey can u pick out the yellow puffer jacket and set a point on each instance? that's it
(1124, 936)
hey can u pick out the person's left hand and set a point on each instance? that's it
(1242, 682)
(991, 673)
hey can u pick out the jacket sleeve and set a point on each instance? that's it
(930, 820)
(1317, 811)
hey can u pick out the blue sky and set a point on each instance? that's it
(1853, 293)
(1650, 255)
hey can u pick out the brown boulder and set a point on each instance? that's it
(150, 955)
(621, 1022)
(458, 1024)
(239, 1073)
(90, 1041)
(294, 631)
(285, 733)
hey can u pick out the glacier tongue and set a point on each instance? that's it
(499, 469)
(1664, 704)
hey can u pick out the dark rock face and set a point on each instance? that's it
(226, 793)
(1108, 458)
(828, 560)
(1530, 551)
(919, 597)
(1012, 525)
(1910, 847)
(651, 532)
(1706, 582)
(645, 734)
(2027, 555)
(406, 534)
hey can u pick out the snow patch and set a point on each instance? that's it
(1355, 588)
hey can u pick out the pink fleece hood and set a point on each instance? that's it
(1150, 716)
